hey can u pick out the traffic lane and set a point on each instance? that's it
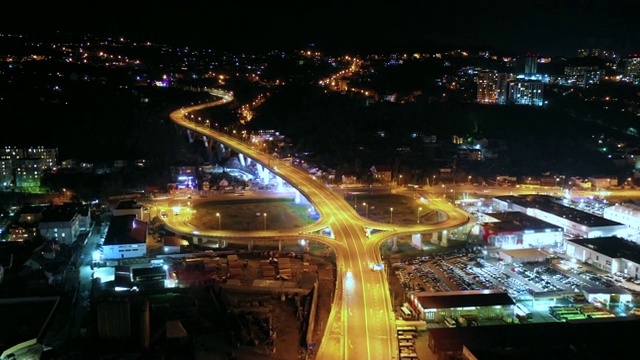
(371, 309)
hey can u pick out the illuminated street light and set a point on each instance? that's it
(419, 209)
(265, 221)
(219, 222)
(366, 207)
(391, 217)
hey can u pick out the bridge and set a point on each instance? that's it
(361, 324)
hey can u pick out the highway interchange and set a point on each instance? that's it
(361, 323)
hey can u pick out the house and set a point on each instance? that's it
(381, 173)
(64, 222)
(349, 179)
(22, 233)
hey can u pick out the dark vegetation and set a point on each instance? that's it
(342, 131)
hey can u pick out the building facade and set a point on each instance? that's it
(23, 167)
(526, 92)
(126, 238)
(491, 88)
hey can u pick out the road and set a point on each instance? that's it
(361, 324)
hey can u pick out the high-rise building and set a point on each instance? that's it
(526, 92)
(6, 173)
(632, 65)
(531, 64)
(492, 88)
(24, 166)
(605, 54)
(584, 76)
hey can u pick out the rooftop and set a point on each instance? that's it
(455, 299)
(29, 316)
(553, 205)
(515, 220)
(611, 246)
(549, 341)
(126, 229)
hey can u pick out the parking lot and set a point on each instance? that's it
(467, 269)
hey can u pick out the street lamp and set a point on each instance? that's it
(419, 209)
(219, 223)
(391, 217)
(265, 221)
(366, 209)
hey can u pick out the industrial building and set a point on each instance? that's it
(551, 209)
(612, 254)
(483, 304)
(628, 214)
(574, 339)
(517, 230)
(126, 238)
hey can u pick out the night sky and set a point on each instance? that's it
(549, 28)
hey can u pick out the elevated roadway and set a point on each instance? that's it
(361, 324)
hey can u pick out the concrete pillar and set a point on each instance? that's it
(263, 174)
(445, 237)
(241, 158)
(266, 175)
(416, 241)
(221, 151)
(280, 183)
(279, 244)
(434, 237)
(394, 246)
(250, 245)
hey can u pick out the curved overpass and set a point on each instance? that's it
(361, 324)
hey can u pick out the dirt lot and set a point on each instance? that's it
(285, 318)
